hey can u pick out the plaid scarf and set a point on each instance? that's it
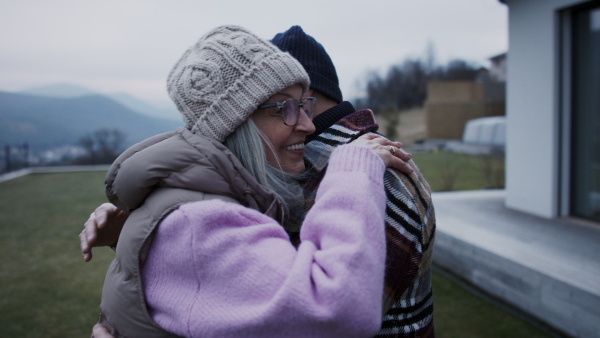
(410, 230)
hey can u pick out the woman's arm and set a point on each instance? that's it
(219, 269)
(106, 222)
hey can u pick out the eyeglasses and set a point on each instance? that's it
(290, 109)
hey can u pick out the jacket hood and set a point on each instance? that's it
(184, 160)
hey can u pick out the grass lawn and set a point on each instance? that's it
(48, 291)
(449, 171)
(459, 313)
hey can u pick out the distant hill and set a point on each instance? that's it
(66, 90)
(145, 107)
(48, 122)
(63, 90)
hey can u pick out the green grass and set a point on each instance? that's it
(449, 171)
(48, 291)
(459, 313)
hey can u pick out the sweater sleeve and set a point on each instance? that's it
(217, 269)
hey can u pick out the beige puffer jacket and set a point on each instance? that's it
(151, 179)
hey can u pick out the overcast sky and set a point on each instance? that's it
(130, 45)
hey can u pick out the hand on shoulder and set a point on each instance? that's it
(388, 151)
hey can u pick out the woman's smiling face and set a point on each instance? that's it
(287, 141)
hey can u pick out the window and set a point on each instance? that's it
(585, 112)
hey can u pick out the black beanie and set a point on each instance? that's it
(315, 60)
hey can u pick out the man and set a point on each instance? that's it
(410, 217)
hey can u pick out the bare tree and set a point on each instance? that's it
(102, 146)
(404, 86)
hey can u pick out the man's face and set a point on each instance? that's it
(323, 103)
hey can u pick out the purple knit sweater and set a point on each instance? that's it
(217, 269)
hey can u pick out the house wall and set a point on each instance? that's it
(532, 135)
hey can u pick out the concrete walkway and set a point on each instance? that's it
(549, 269)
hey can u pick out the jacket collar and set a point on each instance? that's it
(185, 160)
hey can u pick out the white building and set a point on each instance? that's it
(498, 68)
(553, 108)
(535, 244)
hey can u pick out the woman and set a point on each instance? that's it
(203, 252)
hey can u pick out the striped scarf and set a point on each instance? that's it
(410, 230)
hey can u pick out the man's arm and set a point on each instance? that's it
(101, 229)
(99, 331)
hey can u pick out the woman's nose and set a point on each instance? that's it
(304, 123)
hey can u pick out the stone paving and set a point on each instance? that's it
(550, 269)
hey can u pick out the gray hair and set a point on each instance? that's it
(248, 144)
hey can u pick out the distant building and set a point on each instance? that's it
(553, 108)
(451, 104)
(482, 136)
(497, 70)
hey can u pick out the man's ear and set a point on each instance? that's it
(308, 93)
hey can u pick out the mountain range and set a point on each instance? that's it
(66, 90)
(48, 118)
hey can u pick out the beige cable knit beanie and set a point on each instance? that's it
(225, 76)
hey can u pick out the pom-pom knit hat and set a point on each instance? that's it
(313, 58)
(221, 80)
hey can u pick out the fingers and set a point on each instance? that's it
(100, 331)
(390, 152)
(87, 238)
(369, 136)
(374, 141)
(91, 229)
(401, 165)
(102, 212)
(401, 154)
(102, 228)
(86, 250)
(400, 162)
(89, 235)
